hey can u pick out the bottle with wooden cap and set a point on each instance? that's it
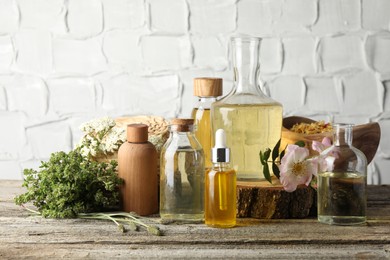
(137, 166)
(207, 89)
(182, 174)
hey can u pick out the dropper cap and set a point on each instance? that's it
(220, 153)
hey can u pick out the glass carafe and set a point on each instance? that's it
(182, 174)
(342, 189)
(252, 121)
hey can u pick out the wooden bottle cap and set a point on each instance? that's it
(207, 87)
(182, 124)
(137, 133)
(182, 121)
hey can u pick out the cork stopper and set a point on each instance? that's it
(207, 87)
(182, 124)
(137, 133)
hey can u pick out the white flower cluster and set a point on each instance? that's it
(158, 141)
(102, 137)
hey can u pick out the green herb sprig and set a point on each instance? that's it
(69, 184)
(124, 221)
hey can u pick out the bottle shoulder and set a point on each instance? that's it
(246, 99)
(182, 142)
(349, 159)
(222, 167)
(137, 148)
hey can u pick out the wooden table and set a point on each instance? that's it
(22, 236)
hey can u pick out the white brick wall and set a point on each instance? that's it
(63, 62)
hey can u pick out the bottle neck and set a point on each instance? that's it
(183, 139)
(205, 102)
(181, 133)
(246, 64)
(221, 166)
(342, 134)
(182, 129)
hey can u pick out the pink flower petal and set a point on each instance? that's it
(327, 142)
(320, 147)
(300, 154)
(289, 184)
(317, 146)
(311, 169)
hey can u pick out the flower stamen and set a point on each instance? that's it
(299, 168)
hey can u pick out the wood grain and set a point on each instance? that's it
(22, 236)
(137, 166)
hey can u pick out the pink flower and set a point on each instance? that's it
(320, 147)
(327, 155)
(296, 169)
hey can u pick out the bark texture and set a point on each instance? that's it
(270, 201)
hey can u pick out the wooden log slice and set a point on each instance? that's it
(270, 201)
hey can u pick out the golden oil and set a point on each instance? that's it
(249, 128)
(220, 197)
(207, 89)
(203, 131)
(220, 186)
(342, 198)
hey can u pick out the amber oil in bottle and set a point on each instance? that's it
(207, 90)
(252, 121)
(220, 187)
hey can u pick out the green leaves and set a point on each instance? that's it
(275, 155)
(264, 159)
(69, 184)
(264, 156)
(275, 160)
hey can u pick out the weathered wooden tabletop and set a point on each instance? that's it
(22, 236)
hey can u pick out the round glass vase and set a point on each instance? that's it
(342, 190)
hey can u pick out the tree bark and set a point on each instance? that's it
(270, 201)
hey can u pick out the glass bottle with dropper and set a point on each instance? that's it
(207, 89)
(220, 187)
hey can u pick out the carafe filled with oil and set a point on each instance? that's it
(251, 120)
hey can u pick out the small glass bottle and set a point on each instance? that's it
(182, 174)
(207, 89)
(252, 121)
(220, 193)
(342, 190)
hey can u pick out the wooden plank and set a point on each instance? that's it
(24, 236)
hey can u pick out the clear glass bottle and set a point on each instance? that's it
(182, 174)
(220, 193)
(207, 89)
(342, 190)
(252, 121)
